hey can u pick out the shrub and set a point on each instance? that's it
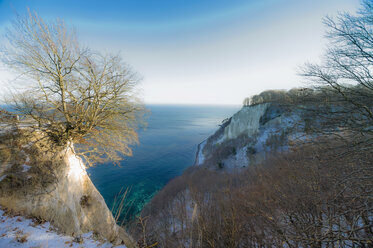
(290, 200)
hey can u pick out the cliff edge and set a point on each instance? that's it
(54, 186)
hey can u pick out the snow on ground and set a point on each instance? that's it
(25, 233)
(4, 128)
(25, 168)
(236, 161)
(2, 177)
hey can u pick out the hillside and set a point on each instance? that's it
(270, 176)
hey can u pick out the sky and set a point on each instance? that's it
(196, 51)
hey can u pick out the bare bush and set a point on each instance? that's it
(306, 198)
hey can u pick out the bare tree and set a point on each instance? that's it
(345, 77)
(73, 95)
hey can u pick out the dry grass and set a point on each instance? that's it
(21, 237)
(16, 149)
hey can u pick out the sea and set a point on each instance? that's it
(167, 146)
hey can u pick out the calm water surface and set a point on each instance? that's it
(167, 146)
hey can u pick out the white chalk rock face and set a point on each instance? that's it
(247, 120)
(251, 133)
(61, 192)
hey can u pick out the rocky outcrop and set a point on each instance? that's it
(250, 134)
(247, 120)
(269, 122)
(56, 187)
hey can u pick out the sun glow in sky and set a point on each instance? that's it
(193, 51)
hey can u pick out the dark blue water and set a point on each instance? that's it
(167, 146)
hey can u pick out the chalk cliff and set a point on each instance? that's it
(55, 187)
(252, 132)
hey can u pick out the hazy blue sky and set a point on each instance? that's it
(197, 51)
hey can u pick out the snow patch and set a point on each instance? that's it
(219, 140)
(2, 177)
(236, 161)
(200, 156)
(27, 145)
(24, 233)
(25, 167)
